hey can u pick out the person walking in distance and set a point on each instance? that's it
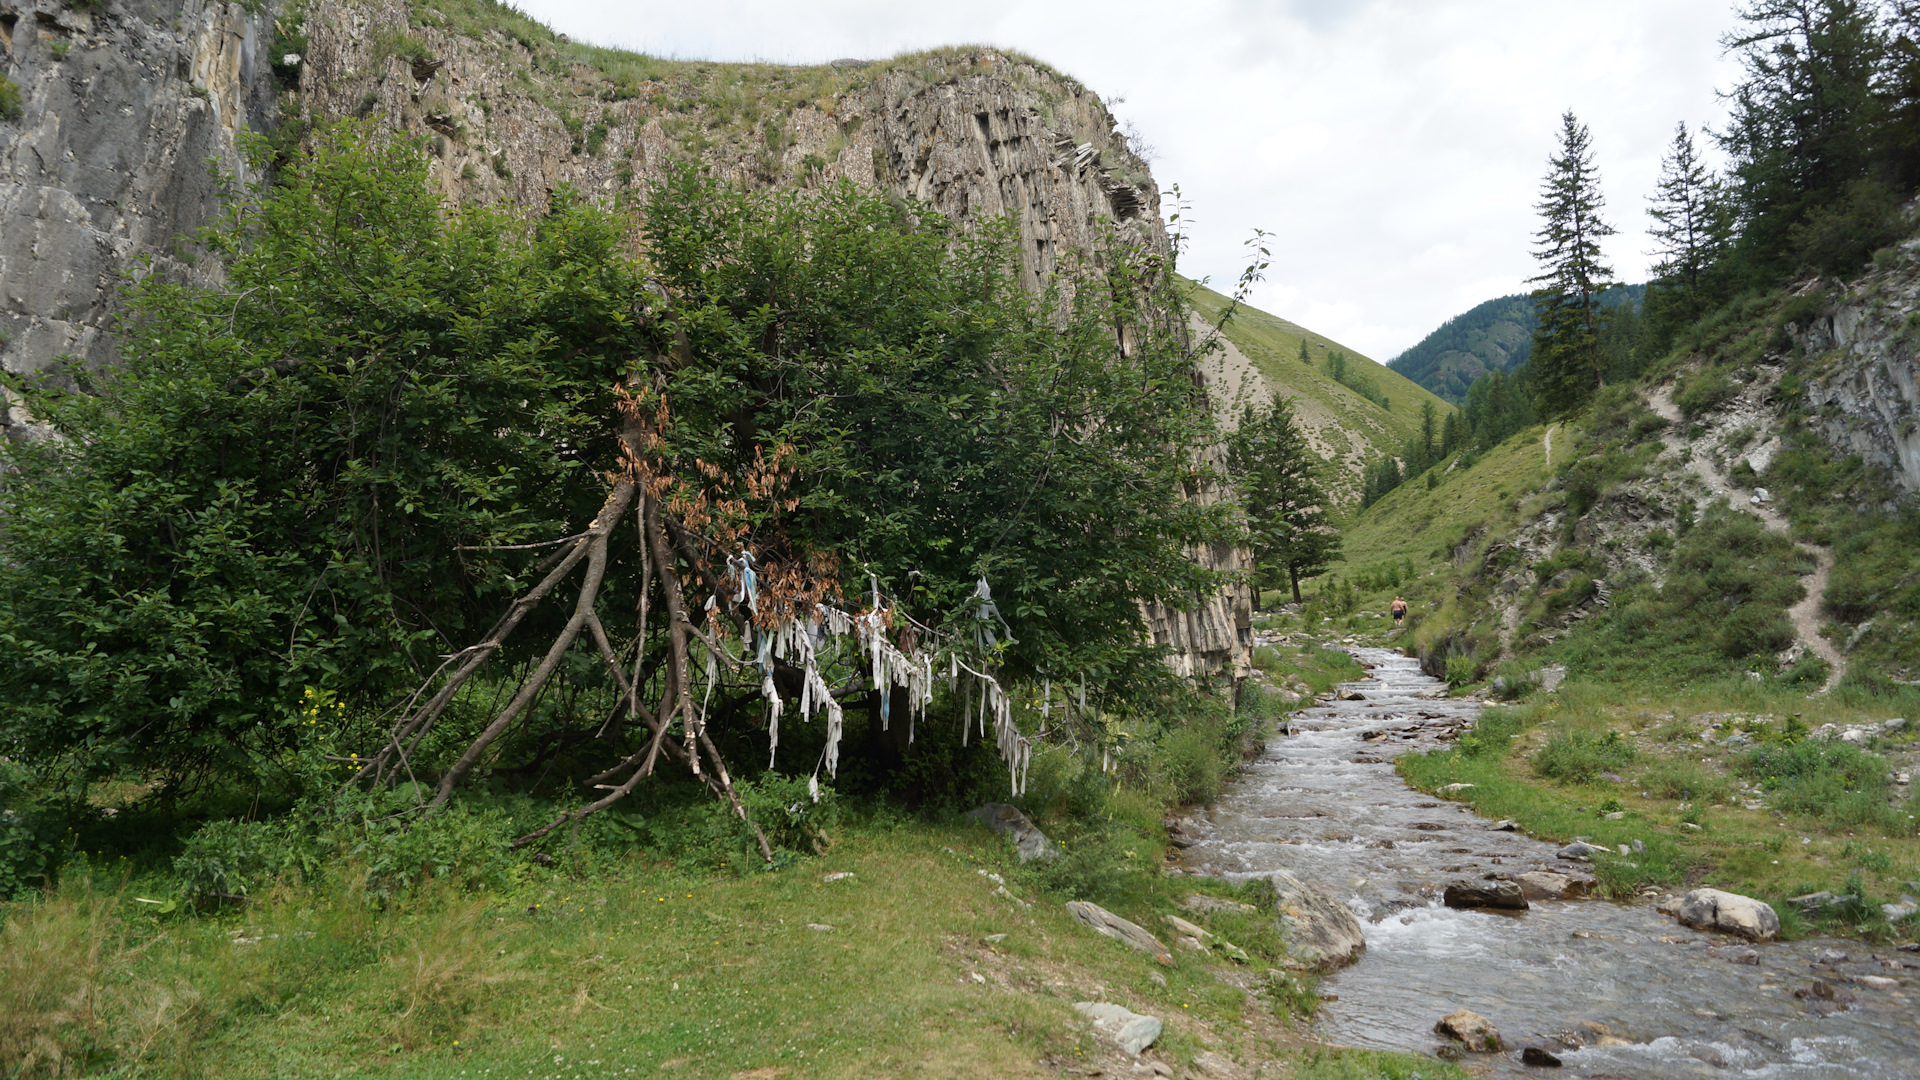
(1399, 609)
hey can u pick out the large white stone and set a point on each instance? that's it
(1731, 913)
(1131, 1030)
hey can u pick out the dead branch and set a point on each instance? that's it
(596, 548)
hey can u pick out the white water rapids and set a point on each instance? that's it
(1325, 804)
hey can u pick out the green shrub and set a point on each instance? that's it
(1189, 764)
(1576, 757)
(787, 810)
(1098, 864)
(1753, 630)
(33, 836)
(1461, 670)
(1826, 779)
(1704, 392)
(1685, 780)
(1495, 729)
(375, 838)
(11, 104)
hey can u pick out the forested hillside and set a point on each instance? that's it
(1494, 336)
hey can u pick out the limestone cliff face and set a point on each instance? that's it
(109, 162)
(1868, 398)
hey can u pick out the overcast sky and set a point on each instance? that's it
(1395, 148)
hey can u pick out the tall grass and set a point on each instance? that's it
(1577, 757)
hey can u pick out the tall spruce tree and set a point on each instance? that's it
(1566, 360)
(1278, 476)
(1804, 118)
(1690, 231)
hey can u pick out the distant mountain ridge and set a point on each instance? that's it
(1493, 336)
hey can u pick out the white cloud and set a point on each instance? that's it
(1395, 147)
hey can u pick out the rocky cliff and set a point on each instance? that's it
(126, 106)
(1867, 400)
(128, 111)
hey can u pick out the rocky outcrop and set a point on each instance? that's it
(126, 106)
(107, 166)
(1867, 399)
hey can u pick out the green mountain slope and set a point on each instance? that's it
(1262, 355)
(1494, 336)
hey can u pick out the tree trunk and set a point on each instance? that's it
(1293, 576)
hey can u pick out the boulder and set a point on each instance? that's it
(1822, 990)
(1506, 895)
(1539, 1056)
(1471, 1029)
(1895, 912)
(1581, 850)
(1731, 913)
(1320, 931)
(1544, 885)
(1102, 921)
(1009, 822)
(1131, 1030)
(1347, 694)
(1183, 926)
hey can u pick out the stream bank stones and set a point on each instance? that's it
(1729, 913)
(1501, 895)
(1320, 931)
(1471, 1030)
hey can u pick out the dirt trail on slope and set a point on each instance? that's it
(1804, 615)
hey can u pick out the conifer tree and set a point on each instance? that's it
(1304, 357)
(1690, 233)
(1566, 360)
(1804, 119)
(1278, 475)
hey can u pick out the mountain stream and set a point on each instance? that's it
(1325, 804)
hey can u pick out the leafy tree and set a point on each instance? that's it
(1278, 476)
(274, 489)
(1567, 364)
(346, 463)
